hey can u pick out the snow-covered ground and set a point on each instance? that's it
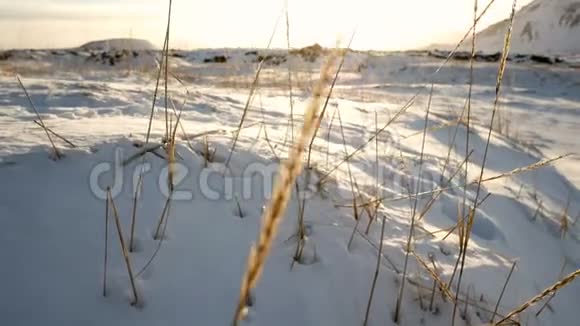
(52, 213)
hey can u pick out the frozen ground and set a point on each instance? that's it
(52, 223)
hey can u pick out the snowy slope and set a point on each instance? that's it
(118, 44)
(541, 27)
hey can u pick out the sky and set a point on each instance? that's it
(379, 24)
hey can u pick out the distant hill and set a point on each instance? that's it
(119, 44)
(547, 27)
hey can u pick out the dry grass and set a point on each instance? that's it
(105, 259)
(57, 154)
(250, 99)
(403, 196)
(124, 248)
(548, 291)
(465, 235)
(502, 292)
(69, 143)
(293, 166)
(377, 270)
(164, 53)
(418, 184)
(289, 170)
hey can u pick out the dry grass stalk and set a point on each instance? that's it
(369, 140)
(240, 211)
(465, 235)
(57, 154)
(301, 236)
(420, 294)
(452, 143)
(460, 226)
(124, 249)
(170, 148)
(164, 51)
(500, 74)
(547, 303)
(253, 88)
(531, 167)
(446, 293)
(377, 270)
(464, 313)
(502, 292)
(185, 136)
(264, 126)
(352, 181)
(289, 170)
(57, 135)
(432, 298)
(436, 195)
(144, 149)
(472, 303)
(548, 291)
(564, 218)
(267, 138)
(206, 153)
(166, 98)
(328, 137)
(319, 118)
(308, 166)
(468, 127)
(356, 215)
(106, 244)
(445, 290)
(162, 218)
(414, 210)
(291, 99)
(538, 210)
(462, 219)
(377, 178)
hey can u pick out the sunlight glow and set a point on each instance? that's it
(385, 25)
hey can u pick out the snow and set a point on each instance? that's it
(541, 27)
(52, 223)
(119, 44)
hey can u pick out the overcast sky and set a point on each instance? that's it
(381, 24)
